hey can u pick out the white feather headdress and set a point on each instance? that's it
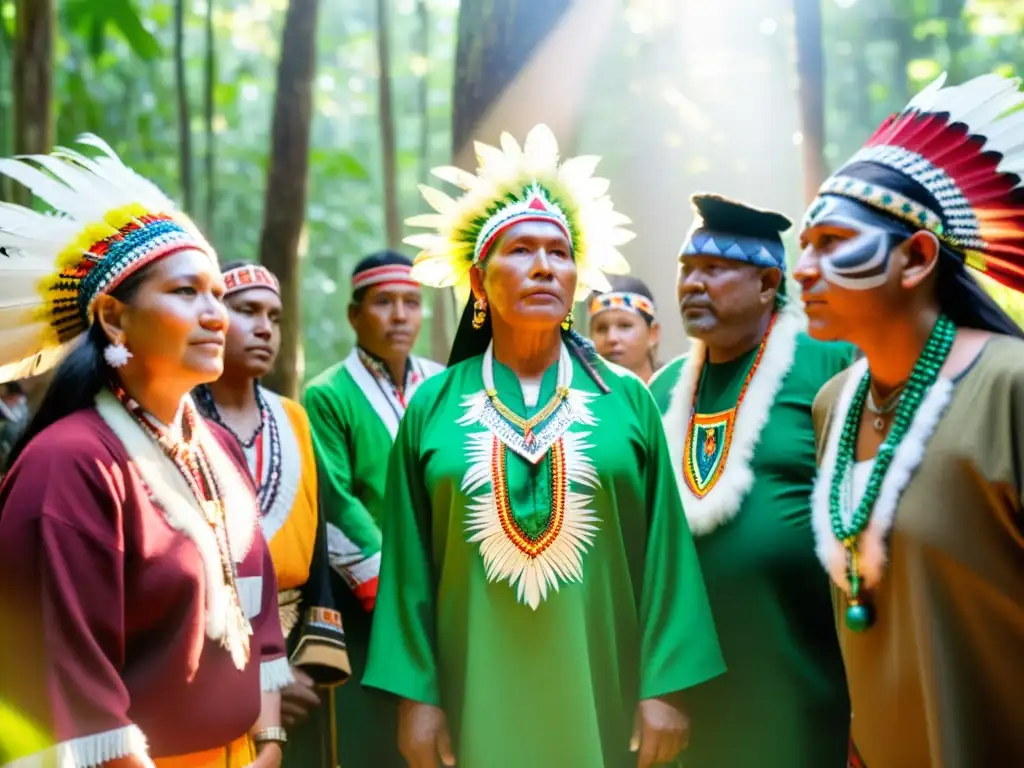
(514, 184)
(107, 222)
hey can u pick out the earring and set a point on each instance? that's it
(479, 313)
(116, 354)
(569, 320)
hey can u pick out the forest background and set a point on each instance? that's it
(296, 131)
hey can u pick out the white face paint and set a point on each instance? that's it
(860, 262)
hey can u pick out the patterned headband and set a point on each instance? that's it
(624, 300)
(535, 206)
(758, 251)
(389, 273)
(250, 276)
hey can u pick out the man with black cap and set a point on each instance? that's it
(354, 410)
(737, 413)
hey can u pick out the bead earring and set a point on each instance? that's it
(569, 320)
(116, 354)
(479, 313)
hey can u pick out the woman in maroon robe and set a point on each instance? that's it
(138, 604)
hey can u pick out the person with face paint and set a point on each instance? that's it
(138, 601)
(355, 408)
(737, 413)
(540, 602)
(918, 502)
(273, 434)
(623, 326)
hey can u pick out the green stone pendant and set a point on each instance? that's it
(859, 616)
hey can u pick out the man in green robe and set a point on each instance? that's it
(540, 603)
(354, 410)
(737, 414)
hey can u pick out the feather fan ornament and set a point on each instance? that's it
(106, 222)
(514, 184)
(955, 159)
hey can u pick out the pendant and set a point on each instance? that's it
(879, 424)
(860, 616)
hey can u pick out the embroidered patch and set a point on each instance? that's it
(323, 618)
(707, 448)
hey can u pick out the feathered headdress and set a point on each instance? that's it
(107, 222)
(950, 163)
(514, 184)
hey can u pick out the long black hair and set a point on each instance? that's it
(470, 342)
(80, 376)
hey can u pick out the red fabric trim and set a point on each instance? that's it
(367, 594)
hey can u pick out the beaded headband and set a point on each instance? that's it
(250, 276)
(624, 300)
(534, 207)
(109, 222)
(388, 273)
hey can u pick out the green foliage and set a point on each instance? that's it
(114, 76)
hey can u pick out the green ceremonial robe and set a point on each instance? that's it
(783, 702)
(354, 416)
(556, 686)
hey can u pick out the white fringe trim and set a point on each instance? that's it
(871, 546)
(722, 502)
(90, 751)
(275, 675)
(175, 499)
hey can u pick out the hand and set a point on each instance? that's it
(662, 731)
(269, 756)
(423, 735)
(298, 699)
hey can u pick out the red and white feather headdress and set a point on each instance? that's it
(955, 162)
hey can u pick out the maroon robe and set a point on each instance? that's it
(102, 606)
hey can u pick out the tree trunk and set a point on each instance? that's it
(208, 102)
(285, 208)
(811, 74)
(442, 304)
(184, 115)
(32, 78)
(392, 216)
(521, 62)
(423, 90)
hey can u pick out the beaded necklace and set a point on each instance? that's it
(848, 528)
(268, 482)
(181, 446)
(382, 374)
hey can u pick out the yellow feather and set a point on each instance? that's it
(437, 199)
(575, 171)
(428, 242)
(541, 148)
(431, 220)
(456, 176)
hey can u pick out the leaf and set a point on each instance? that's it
(124, 16)
(97, 36)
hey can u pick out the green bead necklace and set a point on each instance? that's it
(859, 615)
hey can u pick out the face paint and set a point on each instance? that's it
(860, 262)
